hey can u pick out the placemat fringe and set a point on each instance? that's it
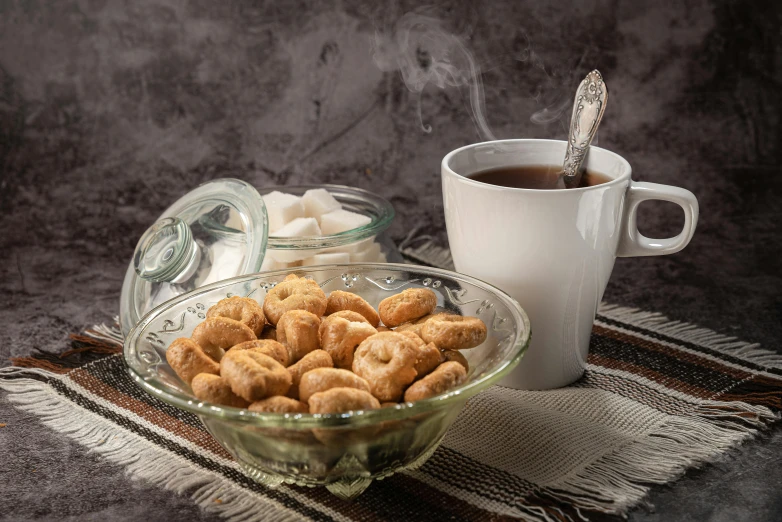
(92, 344)
(621, 479)
(141, 459)
(690, 333)
(13, 372)
(45, 361)
(111, 334)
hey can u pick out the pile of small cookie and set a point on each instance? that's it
(305, 352)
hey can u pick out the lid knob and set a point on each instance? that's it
(166, 251)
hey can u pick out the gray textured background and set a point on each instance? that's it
(109, 111)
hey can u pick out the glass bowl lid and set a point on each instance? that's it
(217, 231)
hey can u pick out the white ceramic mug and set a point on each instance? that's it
(552, 250)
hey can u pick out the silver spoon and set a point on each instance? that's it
(588, 109)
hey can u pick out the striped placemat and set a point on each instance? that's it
(658, 397)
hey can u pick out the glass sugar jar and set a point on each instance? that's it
(361, 244)
(220, 230)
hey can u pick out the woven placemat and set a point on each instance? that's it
(658, 397)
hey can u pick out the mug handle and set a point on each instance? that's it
(633, 243)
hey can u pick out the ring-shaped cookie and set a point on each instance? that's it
(243, 309)
(407, 306)
(340, 336)
(314, 359)
(269, 347)
(322, 379)
(215, 335)
(341, 400)
(215, 389)
(387, 361)
(429, 356)
(454, 332)
(254, 376)
(279, 404)
(446, 376)
(456, 356)
(350, 315)
(294, 294)
(414, 326)
(339, 300)
(297, 330)
(187, 359)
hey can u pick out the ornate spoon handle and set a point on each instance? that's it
(588, 109)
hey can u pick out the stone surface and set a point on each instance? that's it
(110, 111)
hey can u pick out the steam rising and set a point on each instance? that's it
(558, 100)
(552, 113)
(424, 52)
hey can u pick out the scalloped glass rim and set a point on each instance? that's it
(380, 221)
(357, 418)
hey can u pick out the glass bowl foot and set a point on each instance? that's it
(267, 479)
(349, 488)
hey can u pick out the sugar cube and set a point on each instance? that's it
(318, 202)
(341, 220)
(281, 209)
(332, 258)
(269, 264)
(299, 227)
(291, 255)
(368, 255)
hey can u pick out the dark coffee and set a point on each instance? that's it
(540, 177)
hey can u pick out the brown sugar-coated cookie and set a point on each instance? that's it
(429, 358)
(254, 376)
(453, 355)
(294, 294)
(215, 389)
(268, 347)
(217, 334)
(298, 331)
(339, 300)
(243, 309)
(322, 379)
(279, 404)
(409, 305)
(314, 359)
(187, 359)
(340, 336)
(340, 400)
(350, 315)
(446, 376)
(387, 361)
(454, 332)
(413, 326)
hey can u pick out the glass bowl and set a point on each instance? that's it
(343, 452)
(289, 252)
